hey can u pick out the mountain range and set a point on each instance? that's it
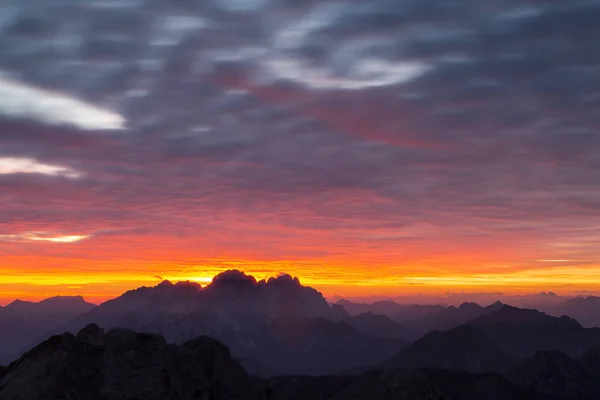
(24, 323)
(279, 327)
(122, 364)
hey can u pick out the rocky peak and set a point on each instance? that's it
(92, 334)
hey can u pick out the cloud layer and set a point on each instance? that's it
(391, 138)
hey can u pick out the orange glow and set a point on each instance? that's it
(99, 280)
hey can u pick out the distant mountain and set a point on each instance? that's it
(420, 319)
(452, 317)
(463, 348)
(23, 323)
(379, 326)
(521, 333)
(586, 310)
(398, 312)
(256, 319)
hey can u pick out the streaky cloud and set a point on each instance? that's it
(21, 100)
(43, 237)
(18, 165)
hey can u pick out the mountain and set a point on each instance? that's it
(320, 347)
(555, 375)
(23, 323)
(586, 310)
(372, 324)
(459, 349)
(398, 312)
(256, 319)
(451, 317)
(521, 332)
(416, 319)
(122, 364)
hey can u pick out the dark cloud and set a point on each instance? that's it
(306, 114)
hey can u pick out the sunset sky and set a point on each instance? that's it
(368, 147)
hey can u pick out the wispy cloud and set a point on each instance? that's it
(14, 165)
(44, 237)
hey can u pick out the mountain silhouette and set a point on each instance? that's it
(372, 324)
(583, 309)
(463, 348)
(451, 317)
(420, 319)
(122, 364)
(23, 323)
(522, 332)
(247, 315)
(555, 374)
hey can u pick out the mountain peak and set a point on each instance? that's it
(469, 306)
(165, 284)
(284, 280)
(233, 278)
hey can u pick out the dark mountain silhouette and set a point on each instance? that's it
(463, 348)
(122, 364)
(23, 323)
(451, 317)
(555, 375)
(401, 313)
(521, 332)
(250, 317)
(320, 346)
(372, 324)
(586, 310)
(420, 319)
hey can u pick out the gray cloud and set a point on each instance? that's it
(304, 113)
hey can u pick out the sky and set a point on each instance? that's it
(385, 148)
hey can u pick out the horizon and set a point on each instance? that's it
(532, 300)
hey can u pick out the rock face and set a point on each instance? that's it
(24, 323)
(122, 364)
(459, 349)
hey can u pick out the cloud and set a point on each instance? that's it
(433, 135)
(20, 100)
(10, 165)
(44, 237)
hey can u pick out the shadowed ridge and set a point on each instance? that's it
(92, 334)
(495, 305)
(554, 373)
(122, 364)
(463, 348)
(523, 332)
(377, 325)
